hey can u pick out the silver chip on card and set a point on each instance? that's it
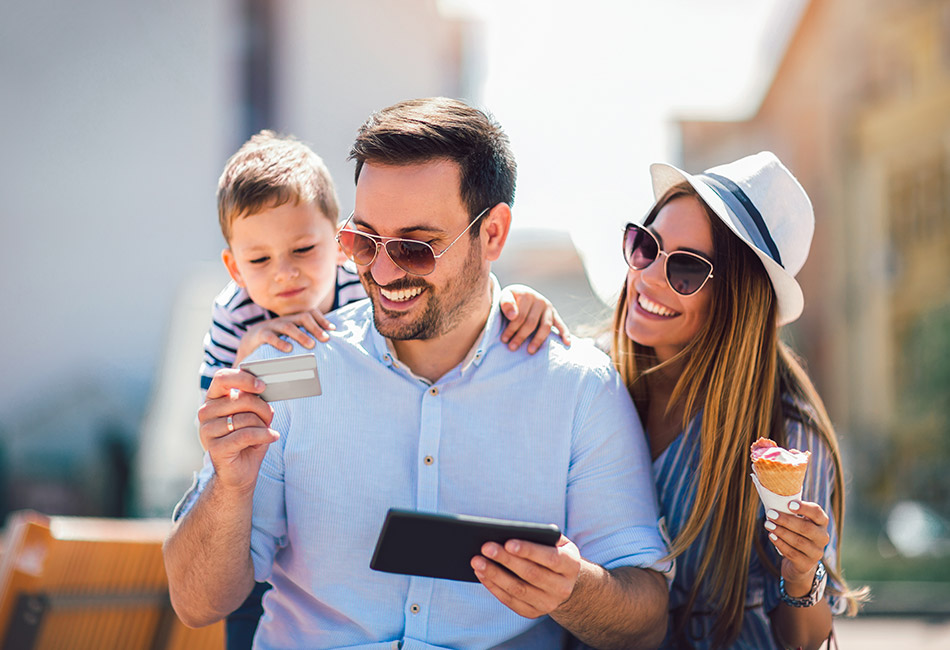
(287, 377)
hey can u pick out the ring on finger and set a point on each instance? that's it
(230, 424)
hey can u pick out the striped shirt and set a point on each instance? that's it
(234, 312)
(674, 472)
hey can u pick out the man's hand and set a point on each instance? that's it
(530, 579)
(234, 428)
(313, 323)
(531, 315)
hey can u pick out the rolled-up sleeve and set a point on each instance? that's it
(198, 485)
(611, 499)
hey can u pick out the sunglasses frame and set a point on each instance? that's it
(666, 261)
(381, 242)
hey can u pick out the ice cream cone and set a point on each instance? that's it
(780, 478)
(778, 471)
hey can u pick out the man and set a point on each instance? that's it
(423, 407)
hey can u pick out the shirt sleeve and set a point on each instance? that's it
(198, 484)
(818, 488)
(611, 498)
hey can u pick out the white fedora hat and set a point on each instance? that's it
(766, 207)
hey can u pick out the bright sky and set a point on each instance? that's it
(587, 91)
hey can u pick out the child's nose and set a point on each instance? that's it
(287, 270)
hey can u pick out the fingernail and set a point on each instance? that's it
(532, 349)
(478, 564)
(794, 505)
(512, 347)
(490, 551)
(259, 384)
(769, 525)
(773, 537)
(514, 547)
(771, 514)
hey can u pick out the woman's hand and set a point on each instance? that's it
(801, 540)
(529, 314)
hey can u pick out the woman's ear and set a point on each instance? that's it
(231, 265)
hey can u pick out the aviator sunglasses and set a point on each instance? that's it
(686, 272)
(411, 255)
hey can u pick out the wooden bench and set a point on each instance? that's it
(82, 582)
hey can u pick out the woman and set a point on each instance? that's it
(695, 338)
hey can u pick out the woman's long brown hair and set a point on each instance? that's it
(735, 371)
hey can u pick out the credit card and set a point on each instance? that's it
(287, 377)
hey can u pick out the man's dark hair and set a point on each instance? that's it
(421, 130)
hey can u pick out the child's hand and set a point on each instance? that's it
(529, 314)
(270, 331)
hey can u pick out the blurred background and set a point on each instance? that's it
(116, 119)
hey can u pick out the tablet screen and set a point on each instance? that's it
(442, 545)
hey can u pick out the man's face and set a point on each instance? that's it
(419, 201)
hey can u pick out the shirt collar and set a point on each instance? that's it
(386, 353)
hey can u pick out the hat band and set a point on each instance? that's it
(748, 214)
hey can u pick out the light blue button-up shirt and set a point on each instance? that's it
(551, 437)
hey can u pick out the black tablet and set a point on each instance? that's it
(442, 546)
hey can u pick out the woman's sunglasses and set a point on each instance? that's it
(686, 272)
(410, 255)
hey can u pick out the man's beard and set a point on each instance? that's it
(444, 308)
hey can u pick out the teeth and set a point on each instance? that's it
(401, 295)
(654, 308)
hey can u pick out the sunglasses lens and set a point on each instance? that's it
(686, 273)
(359, 248)
(639, 247)
(414, 257)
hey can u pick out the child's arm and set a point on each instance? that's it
(530, 315)
(313, 322)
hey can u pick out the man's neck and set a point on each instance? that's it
(432, 358)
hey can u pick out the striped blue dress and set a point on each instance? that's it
(674, 471)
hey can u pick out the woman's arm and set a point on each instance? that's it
(801, 540)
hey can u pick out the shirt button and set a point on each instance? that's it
(414, 608)
(428, 460)
(434, 390)
(396, 645)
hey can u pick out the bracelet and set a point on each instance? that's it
(814, 596)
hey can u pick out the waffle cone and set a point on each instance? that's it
(781, 478)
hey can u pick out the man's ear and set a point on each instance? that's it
(231, 265)
(496, 226)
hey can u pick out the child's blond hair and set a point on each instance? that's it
(268, 171)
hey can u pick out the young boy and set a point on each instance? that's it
(278, 212)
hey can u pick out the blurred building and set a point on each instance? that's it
(859, 110)
(116, 120)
